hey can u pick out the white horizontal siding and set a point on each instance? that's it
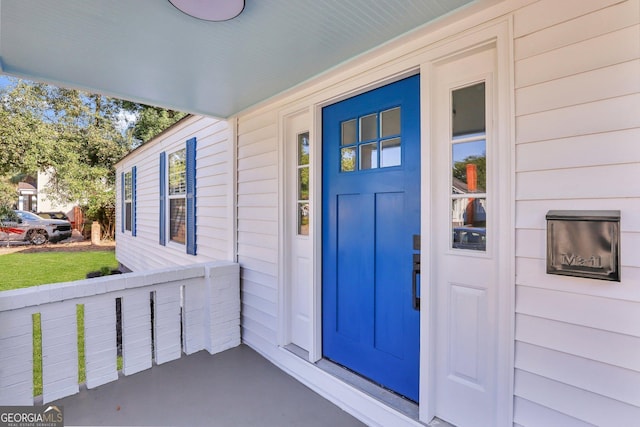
(214, 184)
(577, 104)
(530, 414)
(591, 408)
(257, 226)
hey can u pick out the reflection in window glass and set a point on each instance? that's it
(390, 153)
(468, 110)
(469, 167)
(128, 191)
(370, 150)
(469, 222)
(368, 127)
(177, 175)
(177, 220)
(348, 159)
(348, 132)
(303, 218)
(303, 183)
(177, 172)
(390, 122)
(369, 156)
(303, 148)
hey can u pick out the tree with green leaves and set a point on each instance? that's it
(460, 170)
(75, 136)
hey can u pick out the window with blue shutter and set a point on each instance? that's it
(128, 201)
(163, 198)
(134, 173)
(191, 196)
(178, 197)
(122, 203)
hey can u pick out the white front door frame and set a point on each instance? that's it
(499, 33)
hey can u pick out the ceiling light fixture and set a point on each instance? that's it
(210, 10)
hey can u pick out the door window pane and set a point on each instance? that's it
(469, 167)
(368, 127)
(348, 159)
(468, 110)
(369, 156)
(348, 132)
(370, 150)
(390, 122)
(303, 183)
(390, 153)
(303, 218)
(303, 149)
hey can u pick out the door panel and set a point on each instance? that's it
(371, 210)
(298, 274)
(464, 249)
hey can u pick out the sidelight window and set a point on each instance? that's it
(469, 168)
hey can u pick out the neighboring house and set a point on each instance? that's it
(38, 195)
(47, 201)
(336, 199)
(27, 196)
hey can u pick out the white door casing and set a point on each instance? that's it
(298, 246)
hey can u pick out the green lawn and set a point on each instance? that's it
(21, 270)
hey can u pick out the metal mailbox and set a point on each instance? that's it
(584, 244)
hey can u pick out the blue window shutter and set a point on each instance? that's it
(163, 198)
(123, 211)
(133, 200)
(191, 196)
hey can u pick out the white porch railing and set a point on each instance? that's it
(194, 308)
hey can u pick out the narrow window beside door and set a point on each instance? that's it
(469, 168)
(303, 184)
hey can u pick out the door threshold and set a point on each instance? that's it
(389, 398)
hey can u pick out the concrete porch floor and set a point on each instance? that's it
(237, 387)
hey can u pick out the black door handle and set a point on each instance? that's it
(414, 282)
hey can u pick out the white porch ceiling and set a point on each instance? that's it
(148, 51)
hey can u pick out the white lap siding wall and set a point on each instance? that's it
(214, 197)
(258, 226)
(577, 103)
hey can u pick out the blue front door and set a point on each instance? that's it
(371, 212)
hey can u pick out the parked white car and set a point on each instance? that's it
(29, 227)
